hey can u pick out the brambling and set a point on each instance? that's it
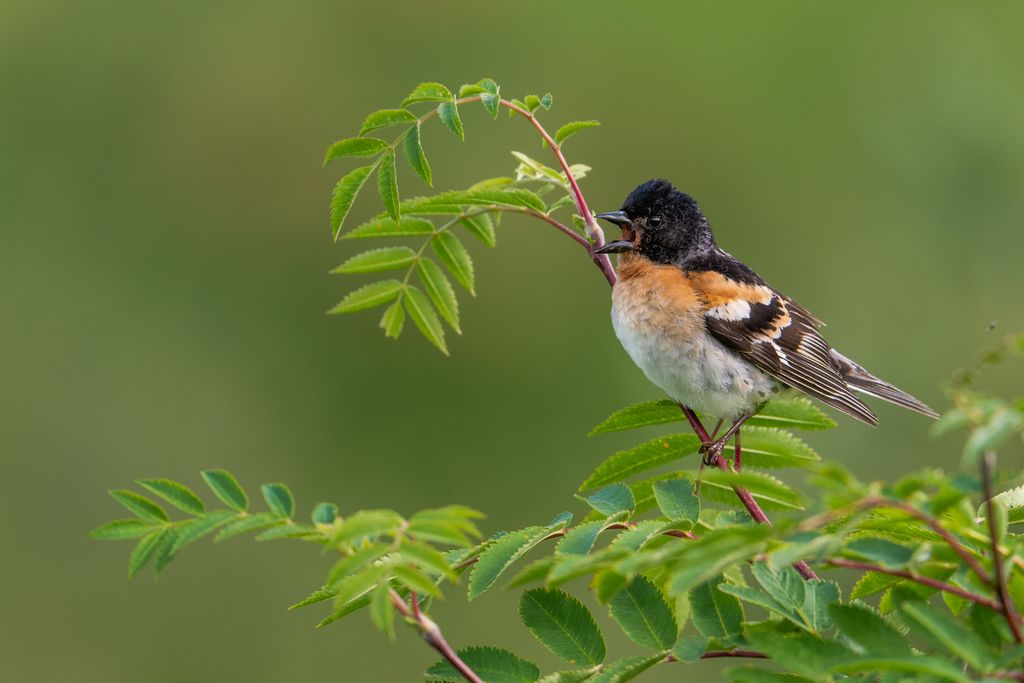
(710, 332)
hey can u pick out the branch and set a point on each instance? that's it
(1007, 607)
(432, 634)
(744, 495)
(923, 580)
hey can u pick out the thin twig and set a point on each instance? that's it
(924, 580)
(1007, 606)
(432, 634)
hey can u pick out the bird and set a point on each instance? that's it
(710, 332)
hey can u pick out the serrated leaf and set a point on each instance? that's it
(770, 447)
(288, 531)
(766, 490)
(247, 524)
(144, 549)
(480, 226)
(626, 669)
(639, 415)
(575, 676)
(388, 227)
(751, 675)
(455, 258)
(415, 580)
(414, 155)
(947, 632)
(174, 493)
(581, 539)
(393, 320)
(930, 666)
(644, 615)
(356, 562)
(357, 585)
(715, 614)
(426, 558)
(382, 610)
(532, 103)
(819, 596)
(491, 103)
(139, 504)
(428, 92)
(791, 413)
(455, 201)
(492, 664)
(563, 625)
(425, 317)
(654, 453)
(500, 555)
(386, 118)
(1002, 423)
(612, 499)
(387, 184)
(368, 523)
(872, 582)
(375, 260)
(345, 194)
(801, 652)
(355, 147)
(324, 513)
(279, 499)
(880, 551)
(546, 100)
(448, 112)
(785, 585)
(868, 630)
(712, 554)
(368, 296)
(226, 488)
(676, 499)
(192, 530)
(572, 128)
(440, 291)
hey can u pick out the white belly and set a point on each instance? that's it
(694, 369)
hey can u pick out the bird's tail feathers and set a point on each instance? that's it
(859, 379)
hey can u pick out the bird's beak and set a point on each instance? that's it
(628, 243)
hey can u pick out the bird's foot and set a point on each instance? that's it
(712, 451)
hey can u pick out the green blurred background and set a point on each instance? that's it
(165, 254)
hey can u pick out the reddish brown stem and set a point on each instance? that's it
(1006, 604)
(923, 580)
(432, 634)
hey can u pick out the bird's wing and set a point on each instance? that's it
(777, 336)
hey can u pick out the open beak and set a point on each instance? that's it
(628, 241)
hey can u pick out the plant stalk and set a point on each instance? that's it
(1006, 604)
(432, 634)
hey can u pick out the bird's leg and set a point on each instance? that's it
(700, 470)
(736, 464)
(712, 450)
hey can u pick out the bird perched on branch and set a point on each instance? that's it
(710, 332)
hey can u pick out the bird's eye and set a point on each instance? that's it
(654, 221)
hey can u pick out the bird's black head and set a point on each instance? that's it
(660, 222)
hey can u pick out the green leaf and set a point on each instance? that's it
(492, 664)
(357, 585)
(426, 558)
(491, 103)
(643, 532)
(448, 112)
(324, 513)
(174, 493)
(393, 320)
(144, 549)
(714, 613)
(770, 447)
(356, 562)
(382, 610)
(440, 291)
(455, 258)
(868, 630)
(387, 184)
(532, 103)
(287, 530)
(710, 555)
(677, 500)
(389, 227)
(644, 615)
(279, 499)
(345, 194)
(415, 580)
(226, 488)
(930, 666)
(1000, 425)
(428, 92)
(758, 597)
(369, 296)
(454, 202)
(748, 674)
(563, 625)
(245, 524)
(482, 227)
(194, 529)
(800, 652)
(792, 413)
(572, 128)
(121, 529)
(946, 632)
(819, 596)
(574, 676)
(547, 100)
(581, 539)
(140, 505)
(871, 583)
(640, 415)
(368, 523)
(689, 648)
(766, 490)
(532, 573)
(423, 314)
(374, 260)
(385, 118)
(612, 499)
(654, 453)
(785, 585)
(880, 551)
(626, 669)
(500, 556)
(355, 147)
(415, 156)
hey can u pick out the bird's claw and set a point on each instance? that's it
(711, 451)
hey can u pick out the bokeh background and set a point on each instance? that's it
(165, 249)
